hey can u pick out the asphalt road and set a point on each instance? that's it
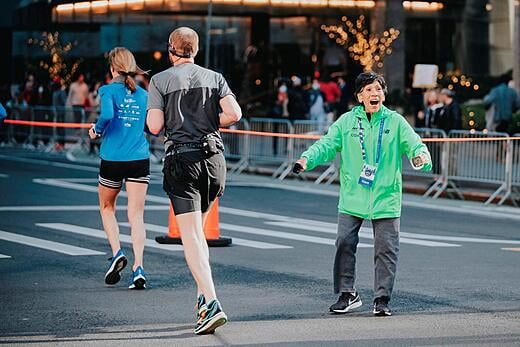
(458, 279)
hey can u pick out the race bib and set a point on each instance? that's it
(368, 173)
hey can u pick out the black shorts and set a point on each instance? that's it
(193, 182)
(113, 173)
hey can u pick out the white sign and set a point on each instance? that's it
(425, 76)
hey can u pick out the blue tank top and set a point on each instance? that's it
(121, 122)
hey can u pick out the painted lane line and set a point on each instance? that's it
(236, 240)
(283, 235)
(48, 245)
(3, 256)
(93, 189)
(511, 249)
(3, 175)
(50, 163)
(73, 208)
(280, 218)
(331, 228)
(76, 229)
(493, 212)
(364, 233)
(459, 239)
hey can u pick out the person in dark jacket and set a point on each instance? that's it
(298, 105)
(449, 117)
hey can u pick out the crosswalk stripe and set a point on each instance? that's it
(364, 233)
(284, 235)
(74, 208)
(236, 240)
(3, 256)
(45, 244)
(76, 229)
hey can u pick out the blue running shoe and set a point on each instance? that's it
(117, 263)
(201, 306)
(211, 318)
(138, 280)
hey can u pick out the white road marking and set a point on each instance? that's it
(511, 249)
(3, 256)
(3, 175)
(51, 163)
(45, 244)
(274, 217)
(283, 235)
(364, 233)
(73, 208)
(76, 229)
(236, 240)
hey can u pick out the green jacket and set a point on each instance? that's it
(383, 199)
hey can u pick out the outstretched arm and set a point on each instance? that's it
(323, 150)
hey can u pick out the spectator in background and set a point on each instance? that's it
(317, 105)
(298, 105)
(78, 97)
(59, 99)
(505, 101)
(344, 96)
(426, 116)
(332, 94)
(449, 116)
(282, 99)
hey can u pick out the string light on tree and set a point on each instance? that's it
(368, 50)
(55, 66)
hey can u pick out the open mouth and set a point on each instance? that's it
(374, 102)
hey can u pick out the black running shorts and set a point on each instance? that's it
(113, 173)
(193, 182)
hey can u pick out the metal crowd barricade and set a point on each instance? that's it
(270, 150)
(306, 127)
(237, 147)
(514, 177)
(481, 162)
(438, 154)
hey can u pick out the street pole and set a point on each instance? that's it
(208, 35)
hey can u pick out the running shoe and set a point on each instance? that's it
(381, 308)
(200, 306)
(211, 318)
(117, 263)
(138, 280)
(346, 303)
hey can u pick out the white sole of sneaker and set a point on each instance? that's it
(139, 283)
(215, 322)
(349, 308)
(382, 313)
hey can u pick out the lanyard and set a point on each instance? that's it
(379, 140)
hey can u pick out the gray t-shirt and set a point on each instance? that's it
(189, 96)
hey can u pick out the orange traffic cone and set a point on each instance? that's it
(211, 230)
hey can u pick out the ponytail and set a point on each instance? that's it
(130, 83)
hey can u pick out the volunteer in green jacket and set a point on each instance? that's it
(371, 140)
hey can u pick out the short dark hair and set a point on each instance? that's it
(366, 78)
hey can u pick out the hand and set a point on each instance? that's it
(300, 165)
(92, 133)
(419, 161)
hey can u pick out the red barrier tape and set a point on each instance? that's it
(259, 133)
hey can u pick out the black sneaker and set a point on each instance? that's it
(346, 303)
(211, 318)
(117, 263)
(381, 308)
